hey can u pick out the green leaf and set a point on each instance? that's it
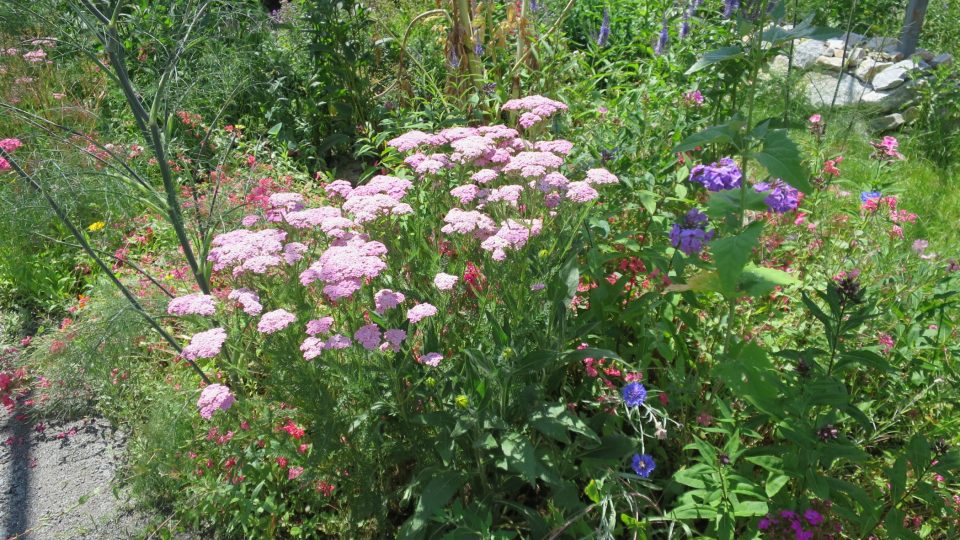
(726, 203)
(435, 496)
(592, 492)
(716, 56)
(750, 508)
(710, 135)
(693, 511)
(781, 157)
(866, 358)
(521, 457)
(732, 254)
(759, 281)
(775, 483)
(273, 131)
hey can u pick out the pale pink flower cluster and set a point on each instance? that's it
(512, 235)
(246, 250)
(313, 346)
(431, 359)
(10, 145)
(36, 56)
(445, 282)
(281, 203)
(213, 398)
(420, 311)
(581, 192)
(205, 344)
(369, 208)
(192, 304)
(345, 264)
(472, 222)
(537, 109)
(385, 300)
(249, 301)
(368, 336)
(274, 321)
(319, 326)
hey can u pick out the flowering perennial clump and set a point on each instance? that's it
(718, 176)
(213, 398)
(783, 197)
(205, 344)
(192, 304)
(690, 235)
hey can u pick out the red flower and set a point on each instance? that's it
(282, 462)
(294, 430)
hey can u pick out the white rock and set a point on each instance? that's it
(805, 52)
(889, 122)
(779, 65)
(888, 101)
(870, 67)
(830, 62)
(894, 75)
(821, 86)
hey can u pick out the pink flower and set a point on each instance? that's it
(192, 304)
(250, 220)
(886, 342)
(601, 176)
(431, 359)
(815, 119)
(205, 344)
(390, 186)
(340, 188)
(509, 193)
(369, 208)
(368, 336)
(409, 140)
(421, 311)
(248, 300)
(293, 252)
(468, 222)
(319, 326)
(36, 56)
(539, 108)
(294, 472)
(581, 192)
(484, 175)
(275, 320)
(385, 299)
(10, 145)
(312, 347)
(4, 164)
(394, 337)
(338, 341)
(558, 146)
(445, 282)
(465, 193)
(213, 398)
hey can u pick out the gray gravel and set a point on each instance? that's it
(58, 483)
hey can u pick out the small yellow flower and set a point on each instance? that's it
(462, 401)
(96, 226)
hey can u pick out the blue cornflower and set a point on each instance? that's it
(867, 195)
(604, 36)
(643, 465)
(634, 394)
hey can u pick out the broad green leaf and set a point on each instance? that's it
(775, 483)
(732, 254)
(592, 492)
(726, 203)
(710, 135)
(758, 280)
(866, 358)
(435, 496)
(716, 56)
(750, 508)
(781, 157)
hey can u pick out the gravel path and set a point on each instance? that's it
(58, 483)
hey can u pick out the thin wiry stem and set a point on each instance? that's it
(90, 251)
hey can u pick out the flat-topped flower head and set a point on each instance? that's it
(193, 304)
(319, 326)
(431, 359)
(275, 320)
(205, 344)
(601, 176)
(10, 145)
(420, 312)
(249, 301)
(385, 299)
(213, 398)
(409, 140)
(368, 336)
(581, 192)
(445, 282)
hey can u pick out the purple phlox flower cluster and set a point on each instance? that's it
(420, 311)
(537, 108)
(511, 235)
(663, 38)
(345, 264)
(368, 337)
(558, 146)
(319, 326)
(634, 394)
(643, 465)
(213, 398)
(246, 250)
(205, 344)
(783, 197)
(789, 524)
(690, 235)
(581, 192)
(718, 176)
(193, 304)
(249, 301)
(445, 282)
(385, 299)
(603, 37)
(431, 359)
(601, 176)
(473, 222)
(274, 321)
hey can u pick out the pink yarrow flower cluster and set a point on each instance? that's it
(205, 344)
(213, 398)
(536, 109)
(275, 320)
(192, 304)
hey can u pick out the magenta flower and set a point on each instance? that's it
(421, 311)
(192, 304)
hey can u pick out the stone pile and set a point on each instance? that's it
(870, 72)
